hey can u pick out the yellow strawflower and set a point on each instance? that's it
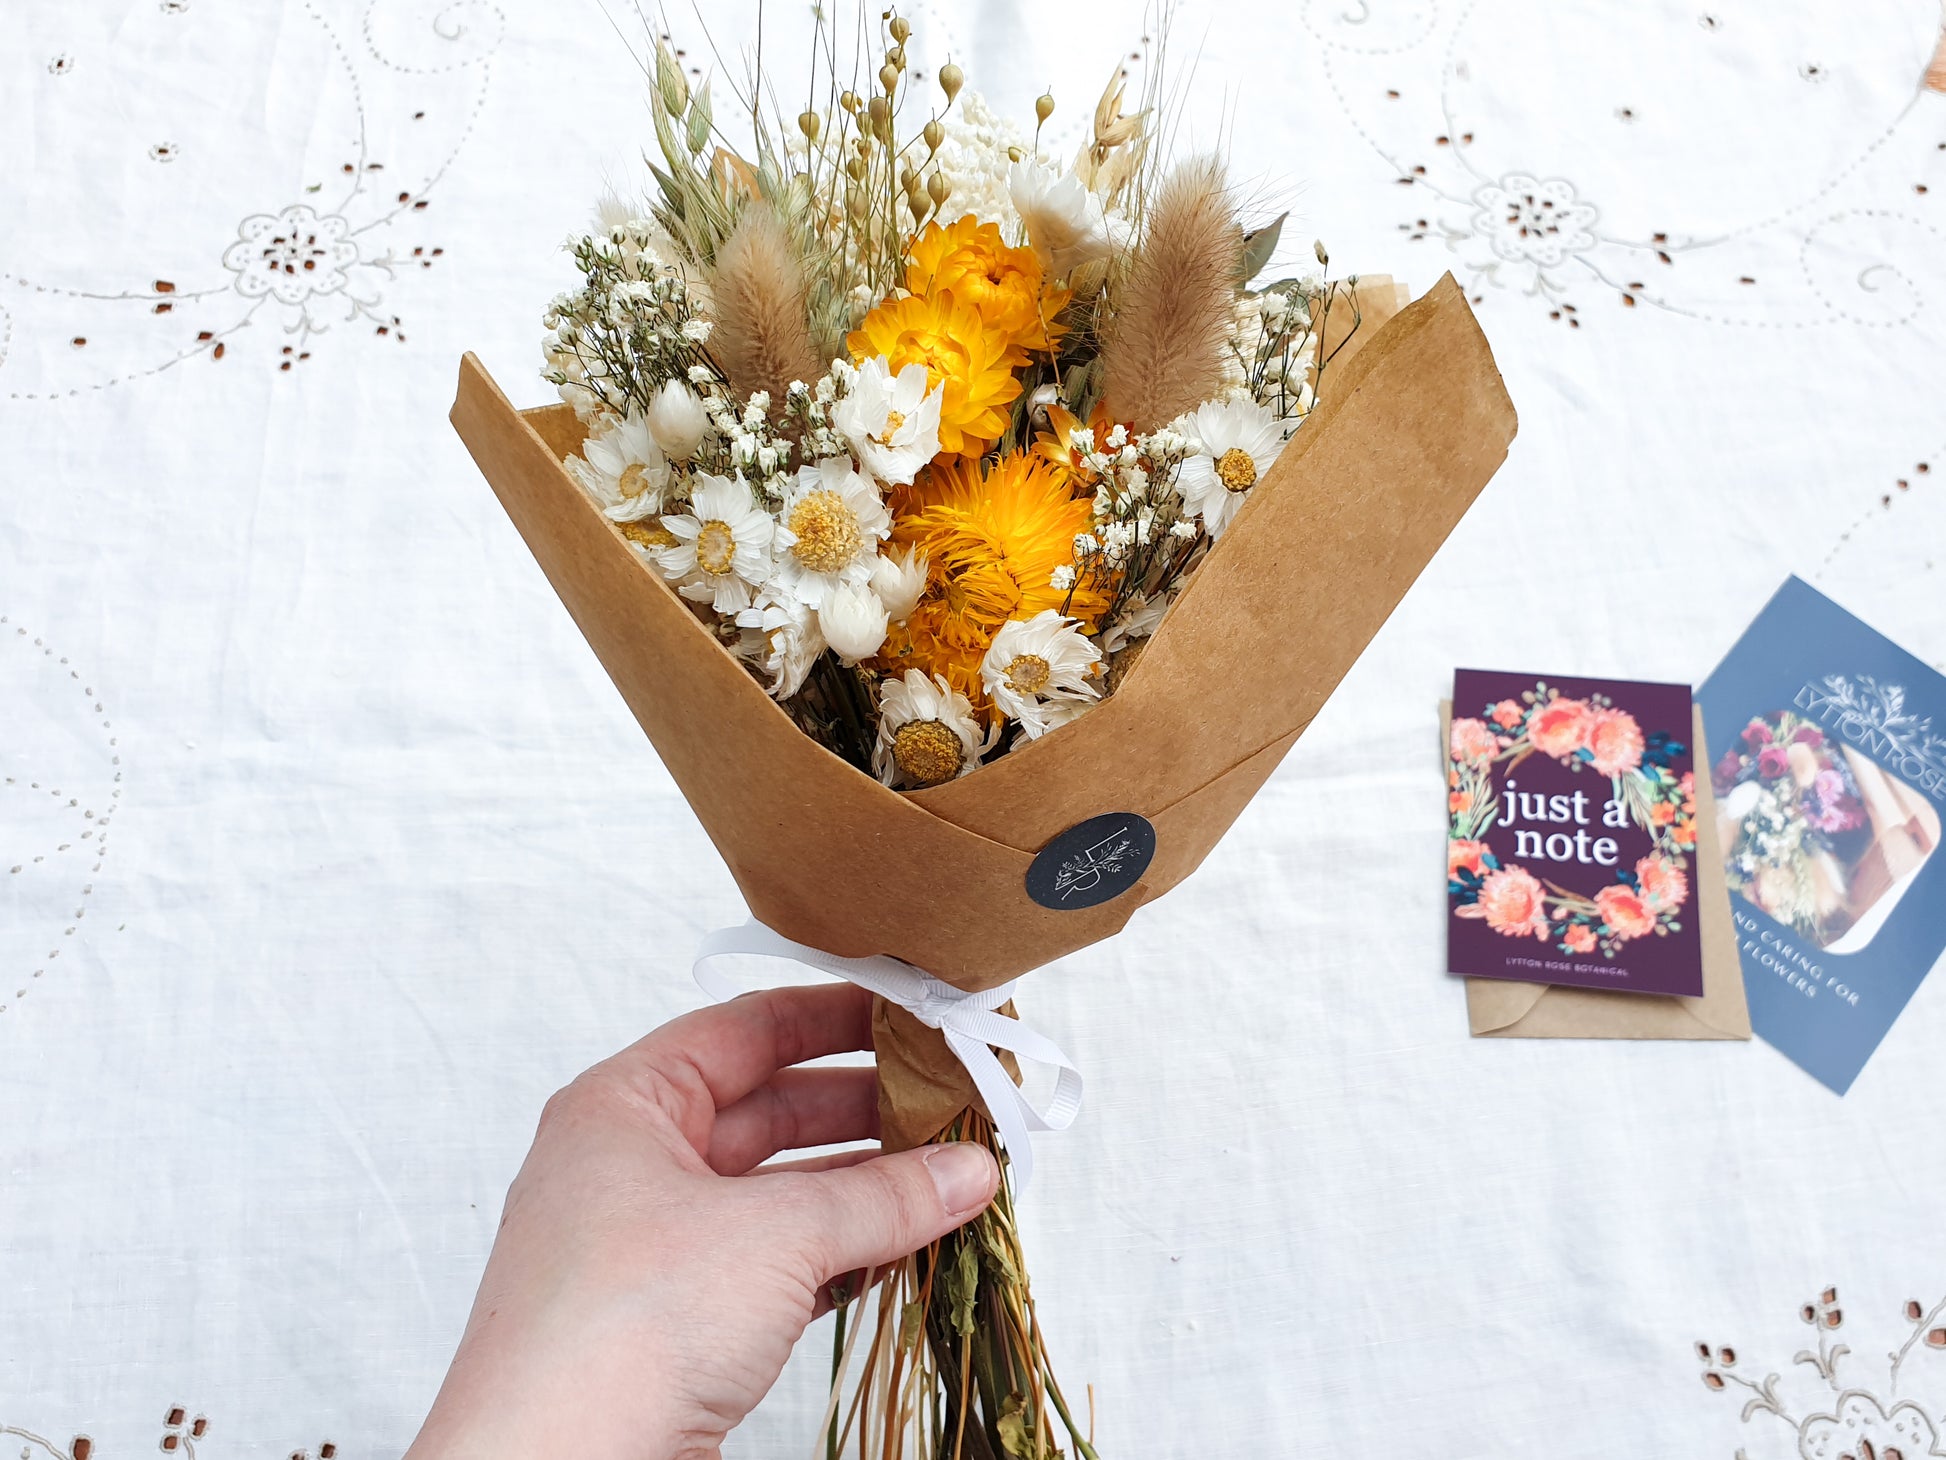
(971, 359)
(1006, 286)
(993, 538)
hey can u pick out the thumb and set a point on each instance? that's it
(889, 1207)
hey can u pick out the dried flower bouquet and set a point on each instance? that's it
(927, 498)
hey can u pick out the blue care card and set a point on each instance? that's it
(1830, 778)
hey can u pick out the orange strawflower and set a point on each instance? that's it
(1056, 443)
(960, 351)
(1006, 286)
(993, 538)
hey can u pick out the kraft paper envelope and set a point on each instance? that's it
(1499, 1008)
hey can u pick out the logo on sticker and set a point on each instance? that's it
(1093, 862)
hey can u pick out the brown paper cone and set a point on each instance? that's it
(1410, 430)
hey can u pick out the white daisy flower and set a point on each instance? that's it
(1057, 713)
(1138, 621)
(828, 530)
(623, 469)
(853, 622)
(926, 732)
(891, 421)
(1065, 222)
(1239, 440)
(783, 636)
(678, 420)
(1037, 664)
(900, 582)
(722, 547)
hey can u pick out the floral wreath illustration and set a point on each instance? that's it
(1646, 899)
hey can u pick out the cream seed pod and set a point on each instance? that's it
(951, 79)
(901, 29)
(938, 189)
(849, 101)
(1044, 106)
(935, 133)
(809, 123)
(896, 57)
(669, 80)
(918, 204)
(888, 77)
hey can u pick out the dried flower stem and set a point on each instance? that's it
(956, 1368)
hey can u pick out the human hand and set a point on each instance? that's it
(650, 1275)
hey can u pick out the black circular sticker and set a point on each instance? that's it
(1086, 865)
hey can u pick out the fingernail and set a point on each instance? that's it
(963, 1174)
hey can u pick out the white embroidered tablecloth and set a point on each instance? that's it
(327, 850)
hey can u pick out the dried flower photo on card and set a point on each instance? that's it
(1813, 832)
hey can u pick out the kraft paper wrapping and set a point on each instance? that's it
(1412, 426)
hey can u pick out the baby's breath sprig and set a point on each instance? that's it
(630, 328)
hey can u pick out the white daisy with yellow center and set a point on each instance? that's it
(1038, 671)
(1239, 439)
(722, 545)
(622, 469)
(828, 531)
(890, 421)
(926, 732)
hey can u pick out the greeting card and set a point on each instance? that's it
(1572, 828)
(1830, 777)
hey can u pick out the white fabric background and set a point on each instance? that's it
(377, 858)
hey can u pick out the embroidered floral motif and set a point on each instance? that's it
(1529, 220)
(1457, 143)
(1853, 1422)
(180, 1433)
(291, 255)
(414, 80)
(1862, 1427)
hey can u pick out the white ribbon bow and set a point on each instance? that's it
(971, 1023)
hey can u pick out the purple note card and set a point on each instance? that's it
(1570, 854)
